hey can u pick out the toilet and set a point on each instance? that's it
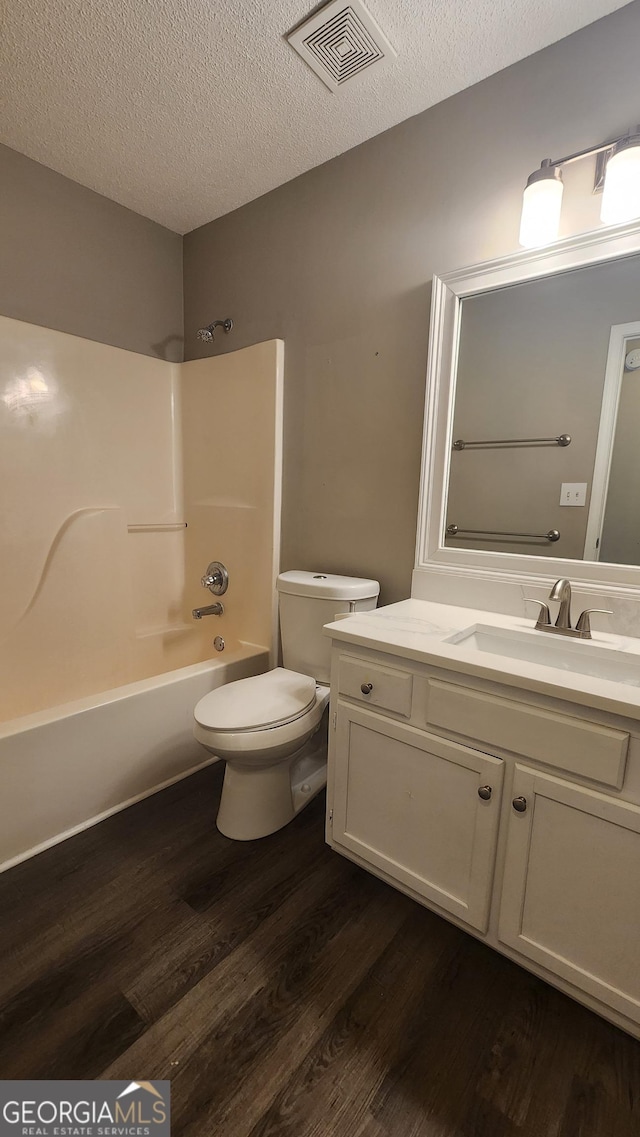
(271, 729)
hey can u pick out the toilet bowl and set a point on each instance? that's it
(269, 730)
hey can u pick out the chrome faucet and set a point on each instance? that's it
(561, 592)
(209, 610)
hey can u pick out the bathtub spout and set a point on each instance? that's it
(209, 610)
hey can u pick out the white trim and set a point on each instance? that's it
(614, 375)
(432, 556)
(91, 821)
(274, 650)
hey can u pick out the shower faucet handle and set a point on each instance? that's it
(216, 578)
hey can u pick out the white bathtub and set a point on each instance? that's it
(67, 768)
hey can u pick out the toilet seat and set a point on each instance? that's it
(277, 738)
(258, 703)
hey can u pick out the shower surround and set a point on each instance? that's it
(121, 477)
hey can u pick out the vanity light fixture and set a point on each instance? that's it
(617, 175)
(621, 194)
(541, 205)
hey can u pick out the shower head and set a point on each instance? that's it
(208, 334)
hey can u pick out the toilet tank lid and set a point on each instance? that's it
(327, 586)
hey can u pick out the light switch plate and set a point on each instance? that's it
(573, 493)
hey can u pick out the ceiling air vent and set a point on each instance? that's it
(340, 42)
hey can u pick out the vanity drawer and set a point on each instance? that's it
(576, 745)
(378, 686)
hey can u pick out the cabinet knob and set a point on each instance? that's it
(366, 688)
(519, 804)
(485, 792)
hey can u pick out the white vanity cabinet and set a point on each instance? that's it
(423, 809)
(499, 809)
(570, 897)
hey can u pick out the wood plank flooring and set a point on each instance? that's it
(285, 992)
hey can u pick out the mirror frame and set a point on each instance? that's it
(432, 555)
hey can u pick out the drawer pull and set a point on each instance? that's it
(366, 688)
(519, 804)
(485, 793)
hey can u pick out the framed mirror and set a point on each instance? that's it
(531, 454)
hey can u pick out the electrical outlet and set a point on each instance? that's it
(573, 493)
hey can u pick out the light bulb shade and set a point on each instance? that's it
(621, 194)
(541, 205)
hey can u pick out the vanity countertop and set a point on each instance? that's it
(417, 630)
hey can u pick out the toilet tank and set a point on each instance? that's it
(308, 601)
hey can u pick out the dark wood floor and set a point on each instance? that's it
(286, 992)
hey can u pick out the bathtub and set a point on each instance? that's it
(67, 768)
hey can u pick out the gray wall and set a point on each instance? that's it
(74, 261)
(338, 264)
(531, 364)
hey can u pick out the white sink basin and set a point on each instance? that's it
(579, 656)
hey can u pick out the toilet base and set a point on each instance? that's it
(258, 801)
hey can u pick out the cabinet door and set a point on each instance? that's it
(409, 804)
(571, 893)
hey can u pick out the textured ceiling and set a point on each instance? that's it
(184, 109)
